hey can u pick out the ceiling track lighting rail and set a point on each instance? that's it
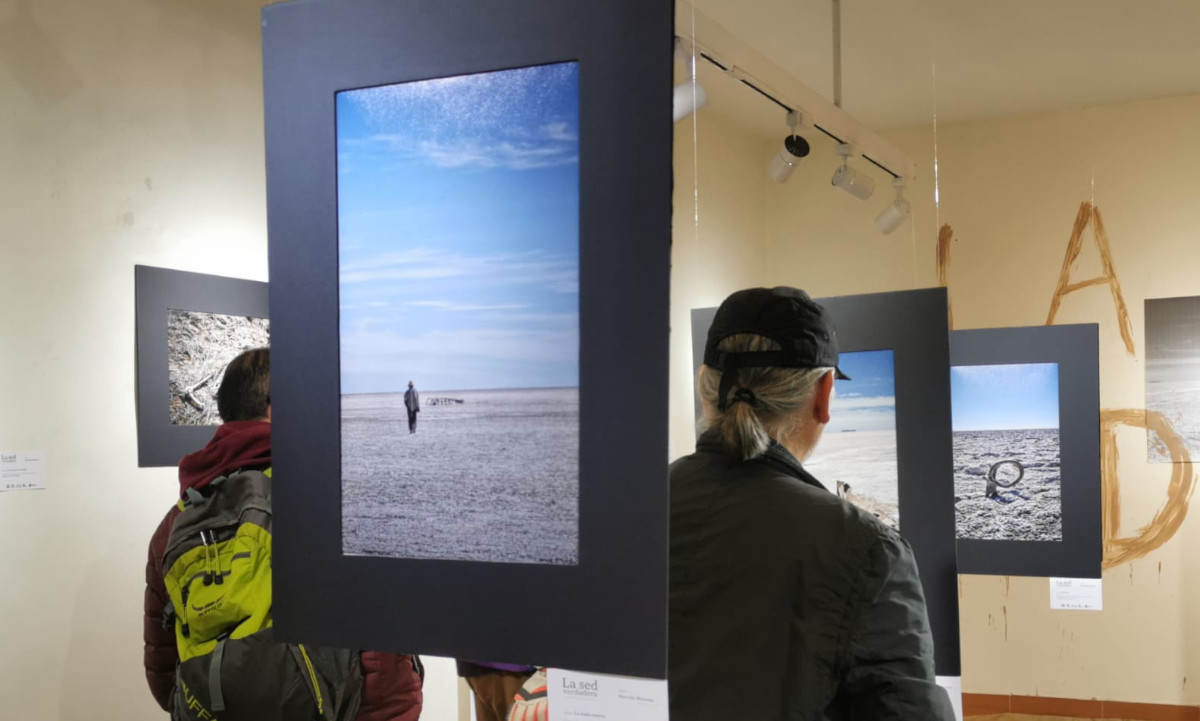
(717, 46)
(734, 73)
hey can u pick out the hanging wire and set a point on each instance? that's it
(937, 186)
(837, 53)
(912, 231)
(695, 136)
(937, 197)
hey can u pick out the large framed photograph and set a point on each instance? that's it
(189, 326)
(887, 447)
(1173, 372)
(460, 341)
(469, 243)
(1026, 419)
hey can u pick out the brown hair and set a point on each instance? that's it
(245, 392)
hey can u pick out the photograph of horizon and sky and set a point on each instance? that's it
(458, 250)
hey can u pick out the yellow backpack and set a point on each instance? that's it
(217, 570)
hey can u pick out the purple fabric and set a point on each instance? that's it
(514, 667)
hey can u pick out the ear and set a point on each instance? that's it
(822, 398)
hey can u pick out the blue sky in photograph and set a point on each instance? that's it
(458, 238)
(1004, 397)
(868, 402)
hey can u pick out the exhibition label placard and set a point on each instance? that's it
(572, 696)
(22, 470)
(1076, 594)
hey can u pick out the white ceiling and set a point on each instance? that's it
(990, 57)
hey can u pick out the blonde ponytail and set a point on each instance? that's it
(765, 403)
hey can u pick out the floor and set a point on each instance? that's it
(1025, 717)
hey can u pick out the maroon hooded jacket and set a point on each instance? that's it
(391, 683)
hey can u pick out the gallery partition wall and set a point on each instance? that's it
(470, 217)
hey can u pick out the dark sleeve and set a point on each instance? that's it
(891, 672)
(159, 655)
(391, 687)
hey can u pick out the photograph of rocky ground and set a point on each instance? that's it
(1029, 510)
(1007, 476)
(199, 346)
(1173, 371)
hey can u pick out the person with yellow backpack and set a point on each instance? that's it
(209, 646)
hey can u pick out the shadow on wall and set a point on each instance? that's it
(35, 62)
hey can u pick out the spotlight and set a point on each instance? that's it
(850, 180)
(893, 215)
(689, 96)
(793, 149)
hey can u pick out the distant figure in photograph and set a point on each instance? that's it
(412, 402)
(786, 602)
(255, 677)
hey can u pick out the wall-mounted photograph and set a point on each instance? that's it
(1173, 371)
(1026, 420)
(1007, 469)
(199, 347)
(189, 326)
(458, 251)
(856, 456)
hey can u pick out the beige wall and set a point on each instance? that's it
(719, 241)
(1011, 188)
(130, 133)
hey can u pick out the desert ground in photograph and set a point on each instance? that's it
(494, 478)
(199, 346)
(1029, 511)
(1173, 389)
(866, 461)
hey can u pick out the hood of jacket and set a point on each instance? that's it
(236, 444)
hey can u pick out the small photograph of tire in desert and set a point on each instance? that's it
(199, 346)
(856, 456)
(1007, 476)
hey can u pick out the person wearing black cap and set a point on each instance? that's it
(786, 602)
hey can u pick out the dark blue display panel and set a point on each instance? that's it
(600, 604)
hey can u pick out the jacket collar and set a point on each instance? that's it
(776, 457)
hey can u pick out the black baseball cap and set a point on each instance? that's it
(800, 326)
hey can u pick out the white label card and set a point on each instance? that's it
(575, 696)
(953, 686)
(22, 470)
(1076, 594)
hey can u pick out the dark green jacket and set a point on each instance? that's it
(788, 602)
